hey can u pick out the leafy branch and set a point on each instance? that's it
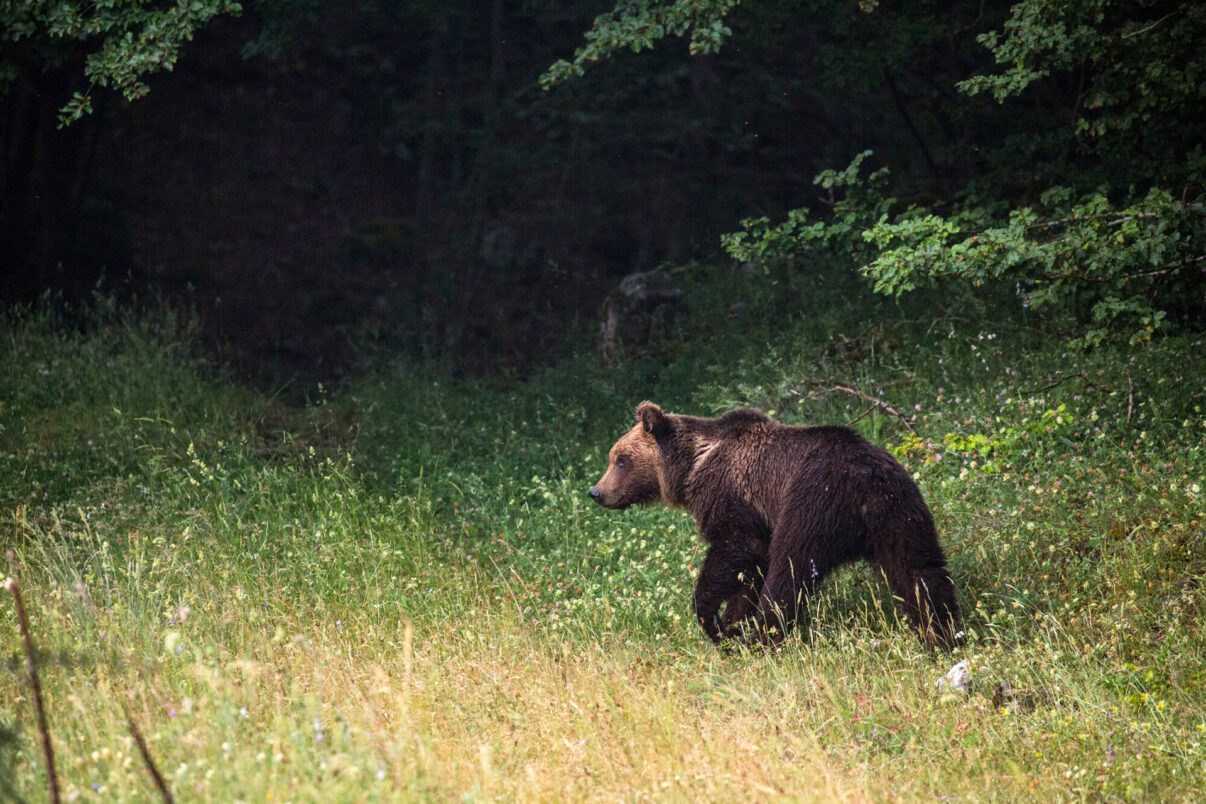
(125, 40)
(1052, 251)
(638, 24)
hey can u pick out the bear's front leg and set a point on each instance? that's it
(722, 579)
(744, 605)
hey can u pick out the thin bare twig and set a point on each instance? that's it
(860, 416)
(875, 403)
(35, 684)
(1115, 222)
(1148, 28)
(1106, 279)
(146, 758)
(1080, 375)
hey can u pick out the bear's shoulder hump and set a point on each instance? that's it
(741, 419)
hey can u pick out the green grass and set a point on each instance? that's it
(399, 590)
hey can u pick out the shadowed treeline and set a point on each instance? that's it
(317, 178)
(314, 178)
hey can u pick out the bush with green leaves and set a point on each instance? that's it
(1119, 268)
(1081, 184)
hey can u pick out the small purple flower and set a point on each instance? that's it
(96, 786)
(813, 564)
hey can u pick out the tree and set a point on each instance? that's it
(53, 55)
(120, 41)
(1081, 184)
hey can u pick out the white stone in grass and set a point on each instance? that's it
(956, 679)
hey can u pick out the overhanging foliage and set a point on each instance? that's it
(1083, 187)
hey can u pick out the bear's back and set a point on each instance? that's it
(737, 423)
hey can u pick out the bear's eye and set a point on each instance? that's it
(622, 461)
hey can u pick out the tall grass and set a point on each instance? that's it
(399, 590)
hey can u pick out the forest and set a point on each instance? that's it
(318, 322)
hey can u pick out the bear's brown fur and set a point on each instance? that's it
(780, 507)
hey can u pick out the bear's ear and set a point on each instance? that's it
(652, 419)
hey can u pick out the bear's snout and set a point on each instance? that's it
(607, 499)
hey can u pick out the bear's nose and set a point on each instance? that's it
(594, 493)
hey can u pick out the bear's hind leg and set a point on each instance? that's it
(790, 580)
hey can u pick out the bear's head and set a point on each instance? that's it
(632, 476)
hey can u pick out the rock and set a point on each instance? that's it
(956, 679)
(637, 313)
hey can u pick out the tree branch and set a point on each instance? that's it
(1148, 28)
(875, 403)
(1080, 375)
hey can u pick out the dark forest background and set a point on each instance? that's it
(315, 178)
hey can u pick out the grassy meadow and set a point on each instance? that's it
(397, 589)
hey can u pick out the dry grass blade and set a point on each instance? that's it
(36, 685)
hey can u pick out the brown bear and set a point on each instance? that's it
(780, 507)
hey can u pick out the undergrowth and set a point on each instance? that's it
(400, 589)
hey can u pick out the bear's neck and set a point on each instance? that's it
(680, 461)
